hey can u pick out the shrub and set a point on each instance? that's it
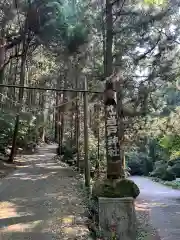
(93, 150)
(6, 131)
(174, 184)
(174, 161)
(168, 176)
(26, 133)
(134, 163)
(175, 166)
(61, 150)
(176, 169)
(68, 154)
(139, 163)
(135, 168)
(159, 169)
(171, 163)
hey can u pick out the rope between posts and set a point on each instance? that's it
(34, 109)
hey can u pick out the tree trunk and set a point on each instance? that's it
(10, 80)
(56, 120)
(2, 59)
(77, 122)
(108, 58)
(72, 127)
(86, 160)
(64, 101)
(61, 123)
(98, 139)
(77, 132)
(112, 144)
(15, 74)
(44, 113)
(21, 93)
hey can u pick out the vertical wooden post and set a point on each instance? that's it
(58, 119)
(2, 59)
(21, 94)
(56, 114)
(98, 138)
(77, 123)
(77, 131)
(86, 160)
(59, 137)
(97, 126)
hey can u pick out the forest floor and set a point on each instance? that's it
(6, 169)
(40, 200)
(145, 229)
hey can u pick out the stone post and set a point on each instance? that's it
(117, 219)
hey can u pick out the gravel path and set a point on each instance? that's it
(163, 205)
(40, 201)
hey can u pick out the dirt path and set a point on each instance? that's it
(41, 201)
(163, 204)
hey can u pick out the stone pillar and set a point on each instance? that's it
(117, 219)
(114, 161)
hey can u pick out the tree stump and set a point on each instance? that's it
(117, 219)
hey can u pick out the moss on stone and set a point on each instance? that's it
(117, 188)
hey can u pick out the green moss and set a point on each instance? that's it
(118, 188)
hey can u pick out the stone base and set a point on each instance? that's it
(117, 219)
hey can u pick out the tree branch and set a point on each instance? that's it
(148, 51)
(10, 58)
(120, 11)
(14, 43)
(128, 113)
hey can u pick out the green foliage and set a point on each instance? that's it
(171, 145)
(59, 25)
(155, 160)
(170, 142)
(77, 36)
(68, 151)
(134, 163)
(173, 184)
(68, 154)
(159, 169)
(175, 166)
(168, 175)
(162, 171)
(139, 163)
(93, 150)
(6, 130)
(26, 136)
(156, 2)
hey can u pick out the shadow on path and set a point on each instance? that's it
(37, 199)
(163, 204)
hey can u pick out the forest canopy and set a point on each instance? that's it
(59, 44)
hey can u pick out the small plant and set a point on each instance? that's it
(113, 232)
(168, 176)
